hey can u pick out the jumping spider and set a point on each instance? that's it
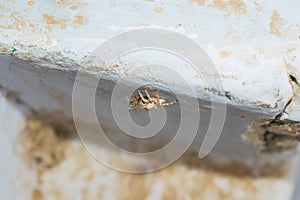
(146, 101)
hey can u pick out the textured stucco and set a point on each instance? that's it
(253, 44)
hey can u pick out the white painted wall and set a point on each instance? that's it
(254, 45)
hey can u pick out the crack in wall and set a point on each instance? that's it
(278, 134)
(273, 135)
(292, 79)
(291, 107)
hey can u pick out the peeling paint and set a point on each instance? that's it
(74, 7)
(17, 22)
(37, 195)
(231, 6)
(273, 135)
(78, 5)
(43, 142)
(52, 20)
(200, 2)
(224, 54)
(259, 7)
(158, 9)
(80, 20)
(276, 23)
(30, 3)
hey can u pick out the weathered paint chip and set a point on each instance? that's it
(158, 9)
(30, 3)
(52, 20)
(231, 6)
(200, 2)
(80, 20)
(276, 23)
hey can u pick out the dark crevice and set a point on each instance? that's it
(293, 78)
(278, 117)
(287, 104)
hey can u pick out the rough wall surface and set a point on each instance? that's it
(254, 45)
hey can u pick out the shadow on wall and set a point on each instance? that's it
(47, 137)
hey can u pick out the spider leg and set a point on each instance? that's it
(131, 108)
(147, 94)
(169, 103)
(157, 97)
(156, 94)
(132, 105)
(142, 97)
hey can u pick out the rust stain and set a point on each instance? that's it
(78, 5)
(136, 185)
(230, 6)
(233, 168)
(52, 20)
(43, 143)
(188, 178)
(224, 54)
(84, 193)
(56, 193)
(259, 7)
(37, 195)
(201, 175)
(30, 3)
(273, 135)
(81, 4)
(60, 1)
(252, 61)
(80, 19)
(31, 25)
(158, 9)
(200, 2)
(74, 7)
(17, 22)
(276, 23)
